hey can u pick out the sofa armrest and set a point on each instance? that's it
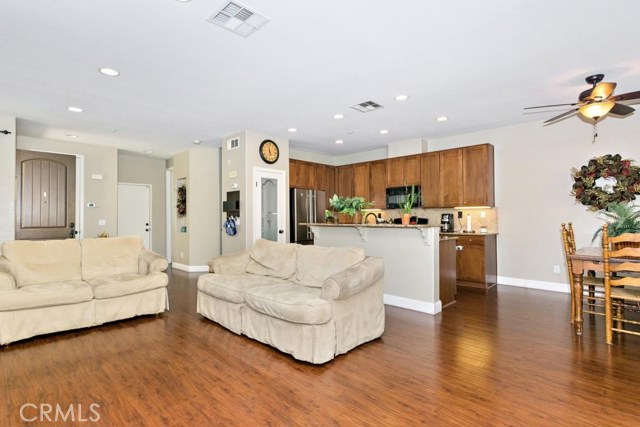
(7, 281)
(235, 263)
(354, 279)
(151, 262)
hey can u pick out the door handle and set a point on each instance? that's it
(280, 231)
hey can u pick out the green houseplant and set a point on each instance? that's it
(407, 206)
(349, 205)
(622, 218)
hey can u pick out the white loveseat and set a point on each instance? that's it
(55, 285)
(311, 302)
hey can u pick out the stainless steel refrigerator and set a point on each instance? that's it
(306, 206)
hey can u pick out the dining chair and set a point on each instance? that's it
(592, 286)
(621, 258)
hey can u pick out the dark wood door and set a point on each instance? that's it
(344, 181)
(46, 195)
(451, 178)
(377, 187)
(361, 180)
(411, 170)
(430, 182)
(477, 177)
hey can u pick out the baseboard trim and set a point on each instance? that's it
(190, 268)
(412, 304)
(534, 284)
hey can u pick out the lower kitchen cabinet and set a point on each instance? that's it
(447, 271)
(476, 261)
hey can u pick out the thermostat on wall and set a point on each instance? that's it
(91, 205)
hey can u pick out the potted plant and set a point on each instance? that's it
(407, 206)
(622, 218)
(351, 206)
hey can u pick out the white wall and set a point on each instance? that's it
(533, 186)
(7, 178)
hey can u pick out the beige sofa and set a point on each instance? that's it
(311, 302)
(55, 285)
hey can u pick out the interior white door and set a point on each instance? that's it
(134, 211)
(269, 201)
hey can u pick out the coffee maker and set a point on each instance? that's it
(446, 223)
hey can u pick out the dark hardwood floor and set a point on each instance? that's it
(508, 357)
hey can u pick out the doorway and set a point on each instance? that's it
(45, 196)
(269, 205)
(134, 211)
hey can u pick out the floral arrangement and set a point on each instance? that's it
(604, 180)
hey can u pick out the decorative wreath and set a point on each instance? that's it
(604, 180)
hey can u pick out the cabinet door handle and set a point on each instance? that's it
(459, 247)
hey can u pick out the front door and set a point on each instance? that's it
(46, 195)
(134, 211)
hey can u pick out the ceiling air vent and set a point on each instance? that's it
(365, 107)
(238, 19)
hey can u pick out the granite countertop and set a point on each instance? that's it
(324, 224)
(459, 233)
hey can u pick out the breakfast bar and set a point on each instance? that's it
(410, 253)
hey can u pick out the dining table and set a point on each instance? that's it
(584, 260)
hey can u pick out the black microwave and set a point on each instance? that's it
(397, 196)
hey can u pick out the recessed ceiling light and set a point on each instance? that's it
(339, 141)
(442, 118)
(72, 136)
(384, 131)
(183, 1)
(197, 141)
(114, 130)
(401, 97)
(75, 109)
(109, 72)
(338, 116)
(148, 151)
(350, 132)
(292, 130)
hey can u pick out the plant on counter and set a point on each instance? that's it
(349, 205)
(328, 216)
(622, 218)
(412, 197)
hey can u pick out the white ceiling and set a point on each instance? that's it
(182, 78)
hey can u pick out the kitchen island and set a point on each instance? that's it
(410, 253)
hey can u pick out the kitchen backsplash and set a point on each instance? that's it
(490, 219)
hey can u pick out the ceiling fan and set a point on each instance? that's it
(596, 102)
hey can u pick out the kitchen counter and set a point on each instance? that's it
(460, 233)
(410, 253)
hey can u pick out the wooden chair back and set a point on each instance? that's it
(622, 277)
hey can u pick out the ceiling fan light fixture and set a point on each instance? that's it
(595, 110)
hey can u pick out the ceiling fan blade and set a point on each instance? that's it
(565, 114)
(621, 110)
(626, 96)
(552, 105)
(603, 90)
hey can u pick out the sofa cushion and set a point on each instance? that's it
(290, 302)
(232, 287)
(36, 262)
(315, 263)
(273, 259)
(103, 257)
(126, 284)
(46, 295)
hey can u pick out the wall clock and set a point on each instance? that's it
(269, 151)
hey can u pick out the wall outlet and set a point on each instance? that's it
(483, 214)
(556, 269)
(459, 214)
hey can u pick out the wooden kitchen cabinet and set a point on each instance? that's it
(344, 181)
(361, 180)
(448, 270)
(403, 171)
(302, 174)
(450, 163)
(476, 261)
(377, 184)
(430, 179)
(477, 176)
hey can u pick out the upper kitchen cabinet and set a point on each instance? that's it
(326, 180)
(430, 179)
(344, 181)
(450, 164)
(302, 174)
(377, 183)
(477, 175)
(361, 180)
(403, 171)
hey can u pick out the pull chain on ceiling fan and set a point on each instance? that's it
(596, 102)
